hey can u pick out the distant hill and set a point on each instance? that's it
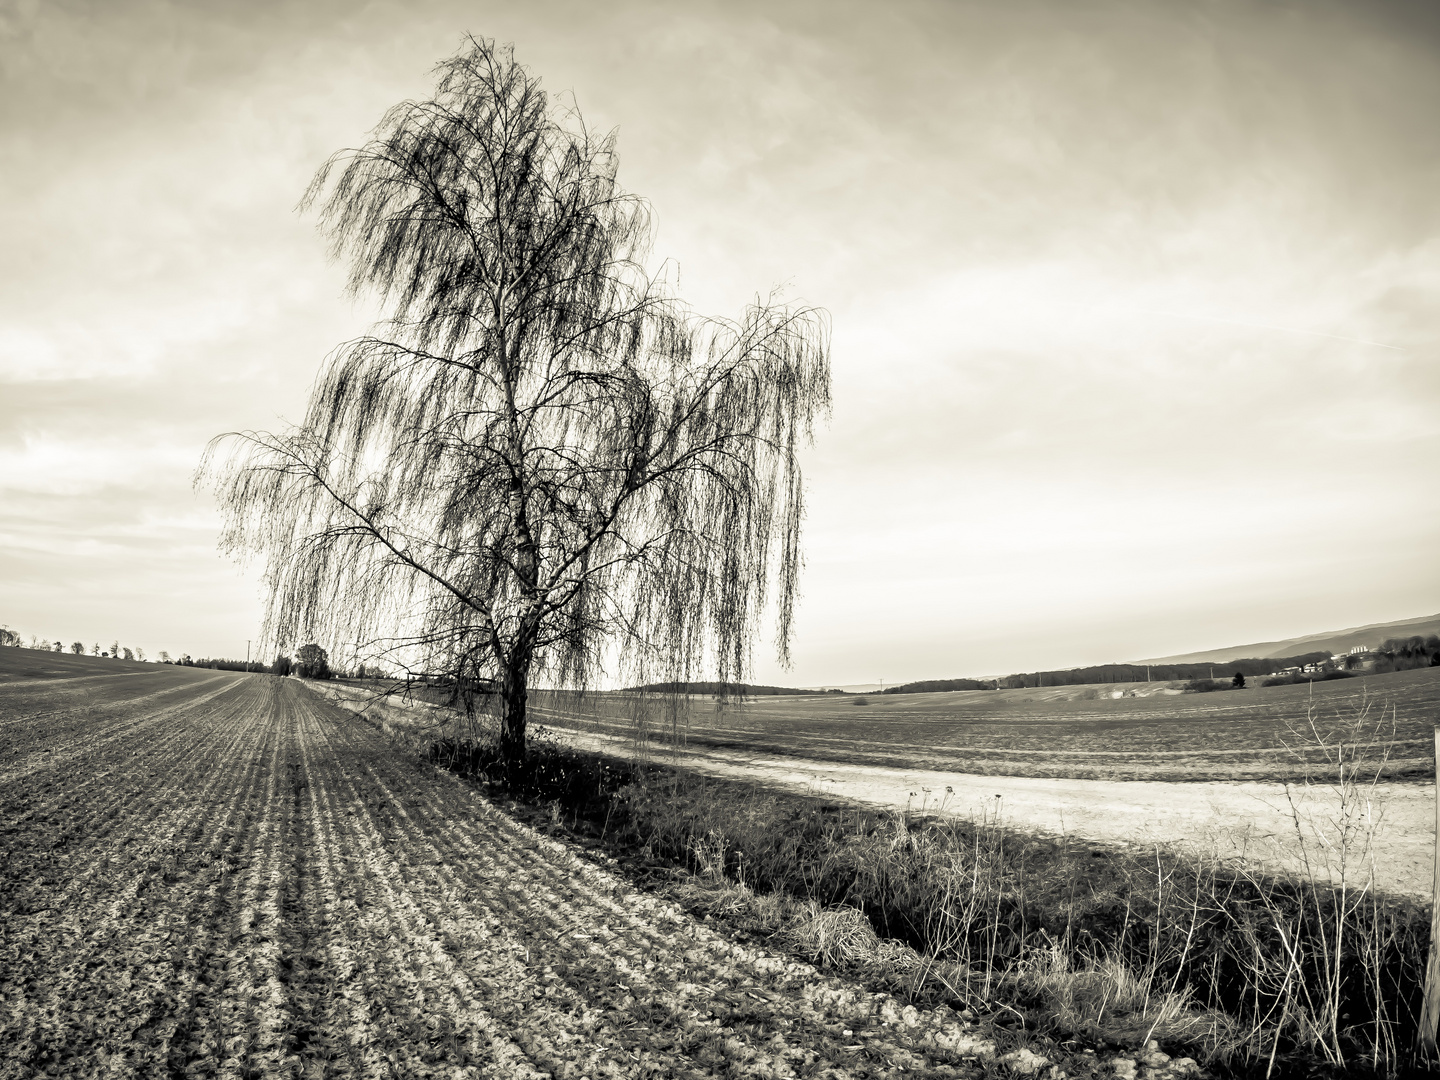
(17, 662)
(1334, 641)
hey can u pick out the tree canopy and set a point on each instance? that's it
(543, 462)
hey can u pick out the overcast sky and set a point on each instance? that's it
(1135, 305)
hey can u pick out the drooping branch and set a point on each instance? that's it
(543, 457)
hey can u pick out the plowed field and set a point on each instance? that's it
(207, 874)
(1261, 733)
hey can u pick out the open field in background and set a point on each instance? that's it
(34, 665)
(1261, 733)
(211, 874)
(1199, 800)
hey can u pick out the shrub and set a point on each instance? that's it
(1203, 686)
(311, 662)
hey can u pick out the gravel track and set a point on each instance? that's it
(224, 875)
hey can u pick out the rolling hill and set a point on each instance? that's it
(1335, 641)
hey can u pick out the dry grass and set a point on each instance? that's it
(1107, 999)
(835, 937)
(1208, 958)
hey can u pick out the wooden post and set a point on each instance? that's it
(1430, 1011)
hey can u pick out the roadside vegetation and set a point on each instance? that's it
(1149, 952)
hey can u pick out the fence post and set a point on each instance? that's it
(1430, 1012)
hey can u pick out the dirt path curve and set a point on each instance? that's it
(1390, 828)
(241, 880)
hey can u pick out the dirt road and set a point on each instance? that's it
(208, 874)
(1387, 829)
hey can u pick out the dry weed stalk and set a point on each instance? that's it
(1322, 926)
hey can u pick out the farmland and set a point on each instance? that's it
(984, 885)
(212, 874)
(1255, 734)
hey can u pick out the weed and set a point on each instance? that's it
(835, 937)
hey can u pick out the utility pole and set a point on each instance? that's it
(247, 655)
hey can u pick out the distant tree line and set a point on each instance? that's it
(219, 663)
(1402, 654)
(309, 662)
(937, 686)
(724, 689)
(1116, 673)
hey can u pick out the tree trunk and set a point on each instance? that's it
(514, 689)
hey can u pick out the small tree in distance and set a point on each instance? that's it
(311, 662)
(543, 456)
(77, 648)
(1239, 681)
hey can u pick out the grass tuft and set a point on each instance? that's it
(835, 937)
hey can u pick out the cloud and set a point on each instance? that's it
(1133, 307)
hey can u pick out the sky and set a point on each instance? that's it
(1134, 306)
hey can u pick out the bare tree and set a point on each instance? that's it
(543, 464)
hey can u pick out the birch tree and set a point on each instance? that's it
(542, 464)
